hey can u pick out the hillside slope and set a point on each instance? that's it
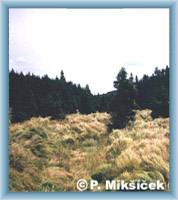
(52, 155)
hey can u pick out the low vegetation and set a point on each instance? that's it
(52, 155)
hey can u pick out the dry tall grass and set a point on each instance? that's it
(51, 155)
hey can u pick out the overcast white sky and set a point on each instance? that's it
(90, 45)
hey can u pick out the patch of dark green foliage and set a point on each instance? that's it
(32, 96)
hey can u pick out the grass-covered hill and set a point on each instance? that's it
(52, 155)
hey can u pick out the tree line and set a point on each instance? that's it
(31, 95)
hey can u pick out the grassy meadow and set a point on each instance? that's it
(52, 155)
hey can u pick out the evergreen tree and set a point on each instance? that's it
(86, 101)
(124, 100)
(62, 77)
(136, 80)
(30, 95)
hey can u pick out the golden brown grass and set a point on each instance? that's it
(51, 155)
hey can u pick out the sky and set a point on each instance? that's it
(89, 45)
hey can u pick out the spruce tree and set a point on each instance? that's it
(62, 77)
(124, 101)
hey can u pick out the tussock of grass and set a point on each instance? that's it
(52, 155)
(147, 156)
